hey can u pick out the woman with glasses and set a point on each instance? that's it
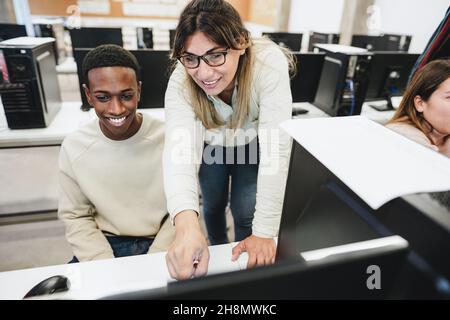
(224, 102)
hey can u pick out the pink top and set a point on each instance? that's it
(415, 134)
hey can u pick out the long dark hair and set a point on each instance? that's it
(423, 84)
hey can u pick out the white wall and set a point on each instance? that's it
(418, 18)
(315, 15)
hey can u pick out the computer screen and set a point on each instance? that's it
(320, 210)
(371, 43)
(389, 76)
(144, 38)
(93, 37)
(293, 41)
(171, 37)
(317, 37)
(342, 275)
(155, 69)
(329, 87)
(306, 80)
(9, 31)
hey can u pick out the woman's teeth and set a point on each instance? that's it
(209, 83)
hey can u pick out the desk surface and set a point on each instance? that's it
(96, 279)
(70, 118)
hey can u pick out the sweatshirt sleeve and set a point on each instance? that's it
(273, 88)
(75, 209)
(181, 149)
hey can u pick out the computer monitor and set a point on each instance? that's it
(396, 42)
(155, 72)
(340, 275)
(305, 82)
(9, 31)
(330, 85)
(389, 77)
(383, 42)
(93, 37)
(292, 41)
(171, 37)
(371, 43)
(144, 37)
(318, 37)
(319, 210)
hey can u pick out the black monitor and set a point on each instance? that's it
(144, 37)
(155, 69)
(371, 43)
(320, 210)
(396, 42)
(293, 41)
(342, 275)
(330, 84)
(383, 42)
(305, 82)
(93, 37)
(171, 37)
(9, 31)
(389, 76)
(318, 37)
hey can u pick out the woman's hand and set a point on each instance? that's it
(261, 251)
(188, 256)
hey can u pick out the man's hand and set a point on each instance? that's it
(188, 256)
(261, 251)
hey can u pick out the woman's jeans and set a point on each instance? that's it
(219, 164)
(124, 246)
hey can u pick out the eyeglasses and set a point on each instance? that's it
(215, 59)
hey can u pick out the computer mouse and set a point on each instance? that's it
(51, 285)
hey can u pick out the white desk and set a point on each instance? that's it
(96, 279)
(68, 119)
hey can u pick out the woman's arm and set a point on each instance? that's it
(275, 103)
(188, 255)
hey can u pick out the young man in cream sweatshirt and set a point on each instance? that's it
(112, 197)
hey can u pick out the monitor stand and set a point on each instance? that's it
(385, 106)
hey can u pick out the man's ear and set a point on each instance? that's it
(88, 94)
(419, 104)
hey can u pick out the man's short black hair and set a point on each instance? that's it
(109, 55)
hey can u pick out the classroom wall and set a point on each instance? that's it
(254, 11)
(418, 18)
(317, 15)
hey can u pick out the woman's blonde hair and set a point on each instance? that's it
(423, 84)
(221, 23)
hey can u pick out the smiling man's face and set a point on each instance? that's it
(114, 93)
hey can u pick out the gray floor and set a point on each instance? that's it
(30, 234)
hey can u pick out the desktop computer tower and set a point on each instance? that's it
(52, 30)
(343, 80)
(29, 87)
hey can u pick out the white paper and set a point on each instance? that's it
(373, 161)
